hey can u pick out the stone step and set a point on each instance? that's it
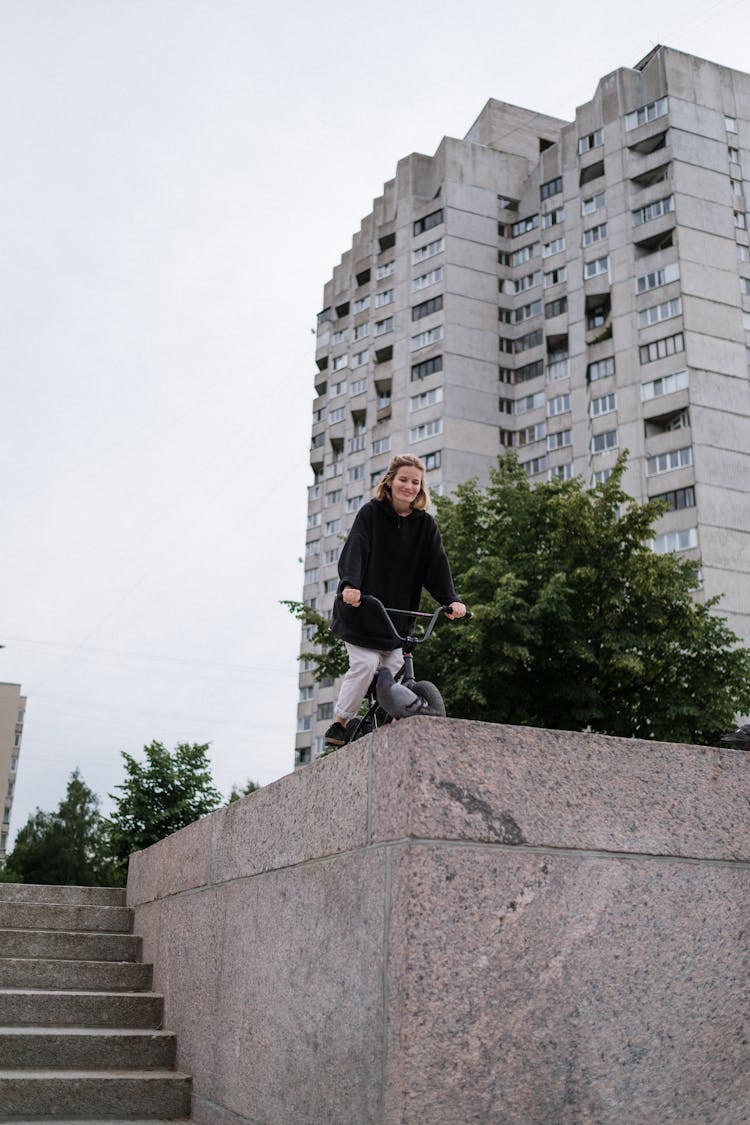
(76, 1048)
(93, 1095)
(110, 976)
(65, 916)
(69, 945)
(107, 1121)
(81, 896)
(44, 1008)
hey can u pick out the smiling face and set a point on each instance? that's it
(405, 487)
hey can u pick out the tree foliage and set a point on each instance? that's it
(577, 622)
(63, 847)
(164, 793)
(329, 659)
(238, 791)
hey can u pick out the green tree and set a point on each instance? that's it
(164, 793)
(63, 847)
(577, 622)
(238, 791)
(330, 660)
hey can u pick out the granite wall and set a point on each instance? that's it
(451, 922)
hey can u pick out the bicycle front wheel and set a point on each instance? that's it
(429, 692)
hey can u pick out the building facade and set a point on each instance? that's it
(12, 711)
(567, 290)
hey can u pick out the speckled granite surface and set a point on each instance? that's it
(453, 923)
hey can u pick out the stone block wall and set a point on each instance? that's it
(451, 922)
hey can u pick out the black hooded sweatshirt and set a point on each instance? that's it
(392, 557)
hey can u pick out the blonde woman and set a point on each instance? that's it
(392, 551)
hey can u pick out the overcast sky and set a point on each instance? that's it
(179, 179)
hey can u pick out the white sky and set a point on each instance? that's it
(179, 179)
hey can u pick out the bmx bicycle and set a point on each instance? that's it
(377, 712)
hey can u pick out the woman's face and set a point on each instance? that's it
(405, 487)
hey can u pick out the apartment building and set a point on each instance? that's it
(12, 711)
(563, 289)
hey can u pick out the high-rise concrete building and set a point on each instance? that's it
(564, 289)
(12, 710)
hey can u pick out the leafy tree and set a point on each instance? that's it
(577, 622)
(330, 661)
(63, 847)
(237, 791)
(159, 796)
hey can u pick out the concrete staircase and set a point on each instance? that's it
(80, 1036)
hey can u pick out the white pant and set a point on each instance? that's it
(363, 664)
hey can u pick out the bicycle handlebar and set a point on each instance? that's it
(386, 611)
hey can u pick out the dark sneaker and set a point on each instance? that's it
(336, 735)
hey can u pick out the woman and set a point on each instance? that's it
(392, 551)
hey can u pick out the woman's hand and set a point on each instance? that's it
(351, 596)
(457, 609)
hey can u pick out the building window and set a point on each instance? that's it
(385, 297)
(383, 326)
(427, 367)
(591, 140)
(331, 584)
(605, 404)
(432, 460)
(361, 304)
(652, 280)
(426, 398)
(653, 210)
(332, 526)
(358, 386)
(730, 124)
(560, 404)
(596, 268)
(425, 338)
(733, 154)
(385, 270)
(593, 203)
(338, 388)
(526, 312)
(361, 330)
(357, 472)
(556, 308)
(555, 277)
(659, 349)
(667, 462)
(553, 217)
(428, 251)
(337, 415)
(556, 246)
(311, 575)
(559, 440)
(675, 541)
(353, 504)
(360, 358)
(535, 466)
(333, 497)
(602, 443)
(304, 722)
(530, 402)
(427, 222)
(313, 548)
(678, 498)
(657, 313)
(527, 282)
(339, 362)
(740, 220)
(646, 113)
(550, 188)
(600, 369)
(594, 234)
(381, 445)
(561, 472)
(427, 308)
(426, 279)
(677, 381)
(531, 434)
(314, 519)
(340, 336)
(523, 226)
(427, 429)
(525, 254)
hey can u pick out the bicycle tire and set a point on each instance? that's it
(428, 691)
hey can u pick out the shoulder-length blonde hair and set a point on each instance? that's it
(382, 490)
